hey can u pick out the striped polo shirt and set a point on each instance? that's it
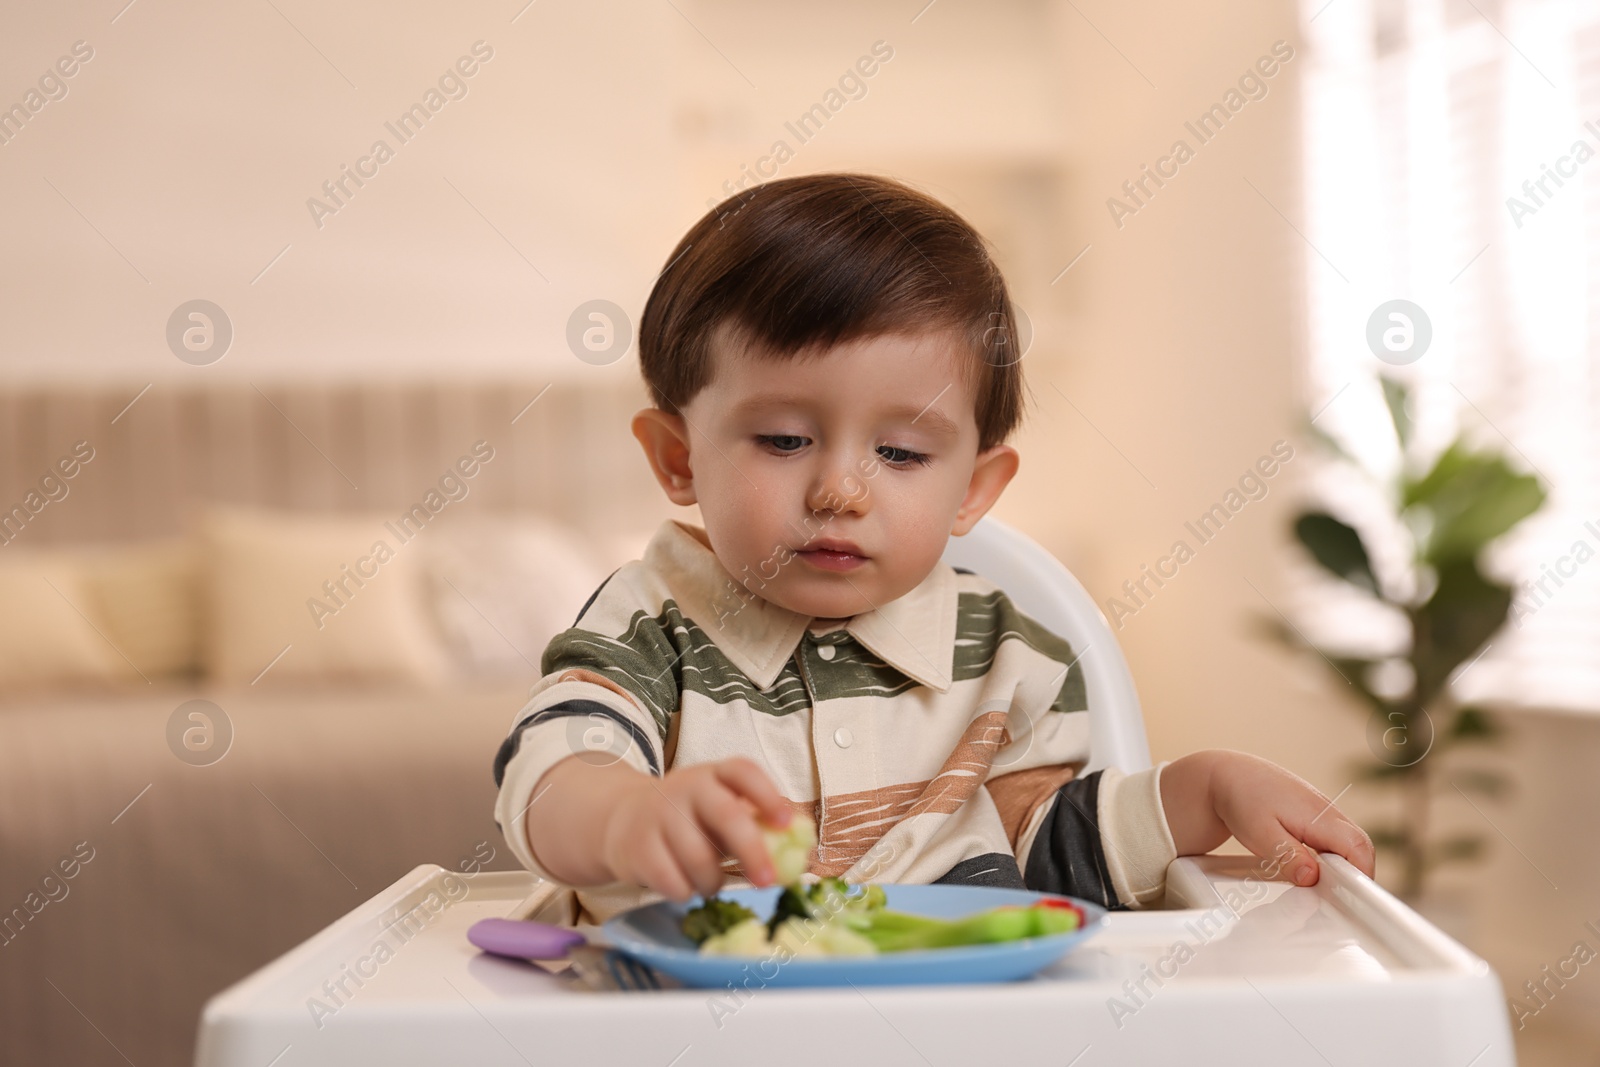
(937, 738)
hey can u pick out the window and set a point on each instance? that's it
(1452, 158)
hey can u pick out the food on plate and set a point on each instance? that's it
(714, 918)
(829, 938)
(827, 919)
(893, 931)
(748, 937)
(830, 918)
(825, 898)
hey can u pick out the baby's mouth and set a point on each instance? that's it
(833, 555)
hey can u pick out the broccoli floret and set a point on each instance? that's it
(824, 899)
(792, 904)
(715, 916)
(833, 894)
(791, 847)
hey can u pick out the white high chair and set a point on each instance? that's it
(1274, 974)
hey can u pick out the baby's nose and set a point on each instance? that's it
(838, 490)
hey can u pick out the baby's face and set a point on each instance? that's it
(832, 485)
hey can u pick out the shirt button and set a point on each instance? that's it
(842, 737)
(825, 651)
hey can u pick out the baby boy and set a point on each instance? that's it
(834, 381)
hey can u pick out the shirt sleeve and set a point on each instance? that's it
(1103, 836)
(607, 695)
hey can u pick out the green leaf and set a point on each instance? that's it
(1472, 498)
(1464, 612)
(1454, 463)
(1395, 396)
(1330, 443)
(1473, 724)
(1491, 513)
(1338, 547)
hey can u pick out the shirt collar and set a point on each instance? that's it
(915, 633)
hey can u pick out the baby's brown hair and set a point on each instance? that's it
(795, 266)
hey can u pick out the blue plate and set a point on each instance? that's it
(652, 935)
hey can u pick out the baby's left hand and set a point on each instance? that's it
(1211, 795)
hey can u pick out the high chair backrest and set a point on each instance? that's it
(1046, 591)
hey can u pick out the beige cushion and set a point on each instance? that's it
(46, 635)
(503, 587)
(146, 598)
(265, 573)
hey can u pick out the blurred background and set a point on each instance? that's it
(284, 281)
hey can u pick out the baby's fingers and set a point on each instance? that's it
(1279, 849)
(746, 778)
(1332, 831)
(658, 868)
(734, 828)
(697, 853)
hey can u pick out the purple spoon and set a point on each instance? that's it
(524, 939)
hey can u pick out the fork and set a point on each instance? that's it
(605, 968)
(600, 966)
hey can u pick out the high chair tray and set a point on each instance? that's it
(1234, 970)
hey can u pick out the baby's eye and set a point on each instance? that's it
(901, 457)
(783, 442)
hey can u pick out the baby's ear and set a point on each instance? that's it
(664, 436)
(990, 475)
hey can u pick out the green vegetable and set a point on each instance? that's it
(821, 898)
(829, 901)
(791, 848)
(827, 918)
(747, 938)
(715, 916)
(895, 931)
(829, 938)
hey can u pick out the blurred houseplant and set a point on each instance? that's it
(1448, 511)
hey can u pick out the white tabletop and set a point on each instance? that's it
(1235, 970)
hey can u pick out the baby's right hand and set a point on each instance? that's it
(671, 833)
